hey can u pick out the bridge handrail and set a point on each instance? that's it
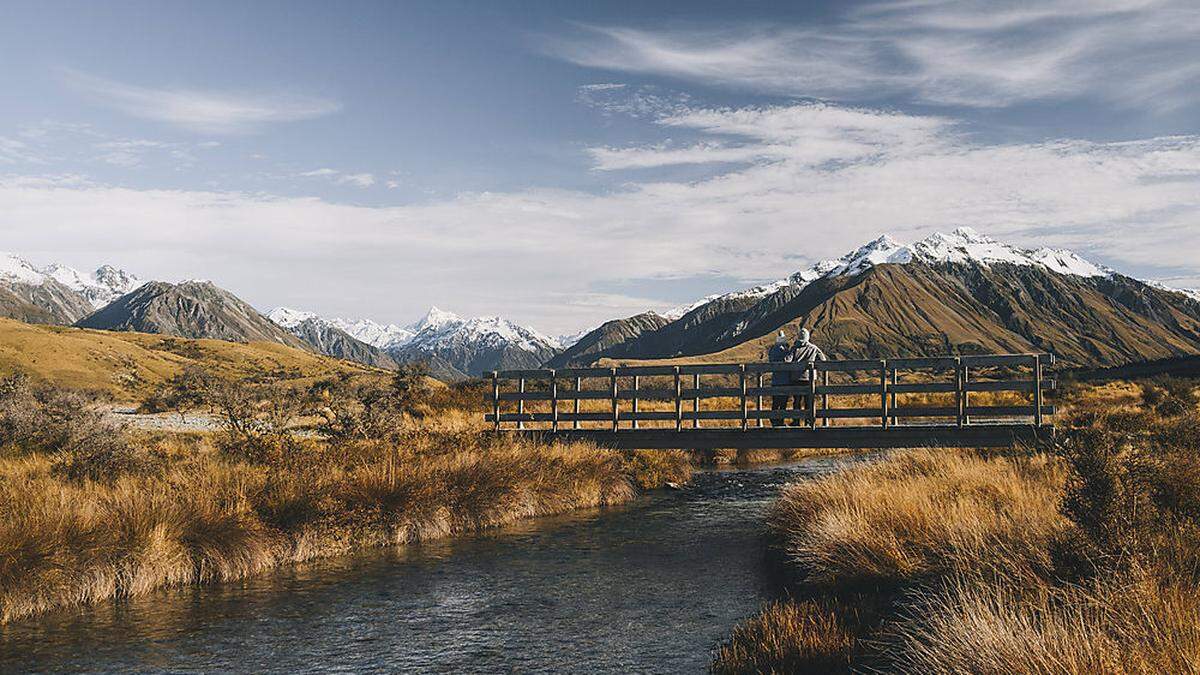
(750, 386)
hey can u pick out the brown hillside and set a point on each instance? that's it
(904, 310)
(128, 365)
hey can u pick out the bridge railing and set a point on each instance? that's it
(867, 392)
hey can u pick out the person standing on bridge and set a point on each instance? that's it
(781, 352)
(804, 352)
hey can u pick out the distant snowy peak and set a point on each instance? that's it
(1193, 293)
(963, 246)
(381, 335)
(286, 317)
(441, 329)
(99, 288)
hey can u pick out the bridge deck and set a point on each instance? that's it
(975, 436)
(978, 400)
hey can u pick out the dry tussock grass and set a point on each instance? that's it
(1084, 563)
(209, 516)
(919, 514)
(788, 637)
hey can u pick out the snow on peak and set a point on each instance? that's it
(99, 288)
(16, 269)
(436, 319)
(287, 317)
(376, 334)
(440, 329)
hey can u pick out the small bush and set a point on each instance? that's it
(107, 460)
(48, 419)
(1170, 396)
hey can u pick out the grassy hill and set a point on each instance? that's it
(129, 365)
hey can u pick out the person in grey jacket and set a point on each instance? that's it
(781, 352)
(805, 352)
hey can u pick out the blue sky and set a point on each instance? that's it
(564, 163)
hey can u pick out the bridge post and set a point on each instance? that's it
(521, 404)
(960, 390)
(895, 381)
(758, 403)
(1037, 390)
(812, 396)
(612, 390)
(553, 402)
(825, 397)
(745, 409)
(496, 400)
(883, 392)
(678, 401)
(575, 408)
(637, 384)
(696, 401)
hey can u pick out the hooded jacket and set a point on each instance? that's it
(806, 353)
(780, 353)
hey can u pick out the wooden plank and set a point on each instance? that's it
(644, 371)
(790, 390)
(575, 406)
(553, 401)
(825, 398)
(525, 396)
(496, 399)
(711, 369)
(1037, 390)
(521, 402)
(883, 394)
(758, 406)
(1026, 386)
(925, 411)
(695, 399)
(776, 366)
(532, 374)
(961, 397)
(637, 382)
(712, 392)
(742, 378)
(892, 388)
(678, 401)
(1007, 411)
(612, 390)
(996, 435)
(812, 399)
(848, 365)
(932, 363)
(584, 372)
(925, 387)
(842, 389)
(847, 413)
(1010, 360)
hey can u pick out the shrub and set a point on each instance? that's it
(1170, 396)
(48, 419)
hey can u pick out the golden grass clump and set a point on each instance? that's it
(919, 514)
(209, 515)
(788, 637)
(1135, 623)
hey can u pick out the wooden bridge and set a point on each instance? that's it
(965, 401)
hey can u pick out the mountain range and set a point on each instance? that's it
(960, 292)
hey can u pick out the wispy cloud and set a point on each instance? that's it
(207, 112)
(816, 180)
(362, 180)
(1136, 53)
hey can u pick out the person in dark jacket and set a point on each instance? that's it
(804, 352)
(781, 352)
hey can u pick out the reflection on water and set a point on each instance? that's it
(650, 587)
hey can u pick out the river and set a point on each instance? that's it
(651, 587)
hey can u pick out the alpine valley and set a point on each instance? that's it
(960, 292)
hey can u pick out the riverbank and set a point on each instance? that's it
(184, 512)
(940, 561)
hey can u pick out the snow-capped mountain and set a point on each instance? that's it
(476, 345)
(57, 293)
(453, 345)
(956, 292)
(99, 287)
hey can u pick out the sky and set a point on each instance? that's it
(565, 163)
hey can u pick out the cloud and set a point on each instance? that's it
(204, 112)
(362, 180)
(1135, 53)
(816, 180)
